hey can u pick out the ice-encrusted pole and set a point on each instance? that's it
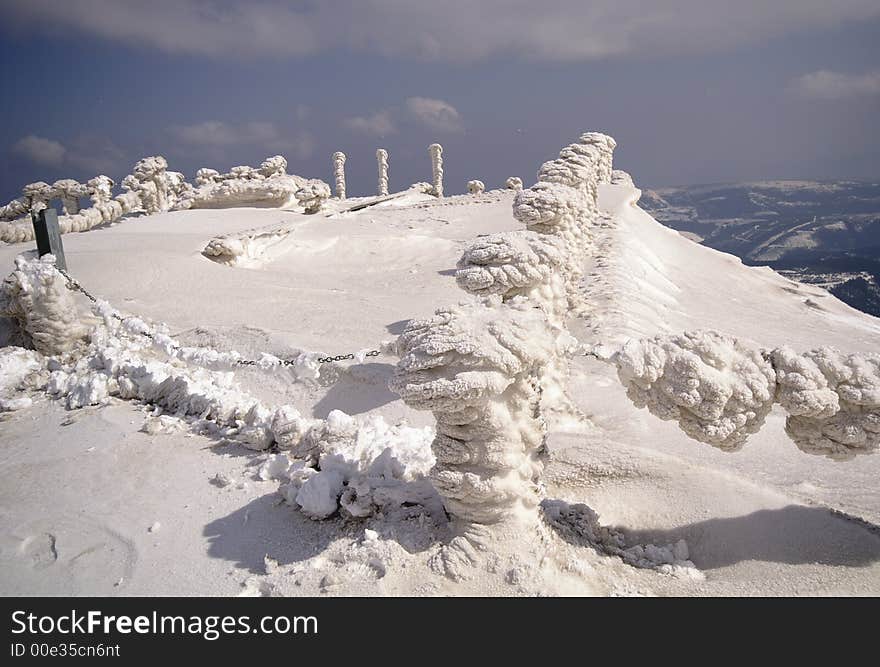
(339, 173)
(382, 163)
(436, 151)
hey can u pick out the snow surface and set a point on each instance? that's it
(766, 520)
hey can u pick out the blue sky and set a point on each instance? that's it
(694, 92)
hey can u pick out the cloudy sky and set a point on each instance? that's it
(695, 91)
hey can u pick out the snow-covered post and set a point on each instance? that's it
(273, 166)
(339, 173)
(100, 189)
(150, 172)
(478, 367)
(37, 195)
(475, 187)
(513, 183)
(312, 195)
(36, 295)
(382, 162)
(69, 191)
(436, 151)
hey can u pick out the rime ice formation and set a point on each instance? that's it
(69, 192)
(358, 466)
(339, 173)
(620, 177)
(313, 194)
(36, 295)
(478, 367)
(14, 209)
(152, 184)
(475, 187)
(205, 176)
(717, 388)
(833, 401)
(513, 183)
(100, 189)
(37, 195)
(436, 152)
(273, 166)
(268, 186)
(382, 163)
(18, 368)
(513, 264)
(605, 146)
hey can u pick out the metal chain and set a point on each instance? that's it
(74, 285)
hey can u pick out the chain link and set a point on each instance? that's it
(74, 285)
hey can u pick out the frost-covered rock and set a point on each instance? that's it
(478, 367)
(37, 297)
(436, 153)
(513, 183)
(719, 389)
(476, 187)
(833, 401)
(382, 164)
(339, 173)
(313, 194)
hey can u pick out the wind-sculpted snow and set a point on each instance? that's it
(719, 389)
(476, 187)
(313, 194)
(36, 296)
(478, 367)
(833, 401)
(510, 264)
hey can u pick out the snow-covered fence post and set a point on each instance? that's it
(382, 162)
(476, 187)
(339, 173)
(48, 236)
(436, 151)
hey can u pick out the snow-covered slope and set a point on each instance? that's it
(91, 503)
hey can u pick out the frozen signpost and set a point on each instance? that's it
(48, 236)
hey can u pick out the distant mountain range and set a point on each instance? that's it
(825, 233)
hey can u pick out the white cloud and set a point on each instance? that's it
(40, 150)
(435, 114)
(454, 30)
(828, 85)
(217, 133)
(379, 124)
